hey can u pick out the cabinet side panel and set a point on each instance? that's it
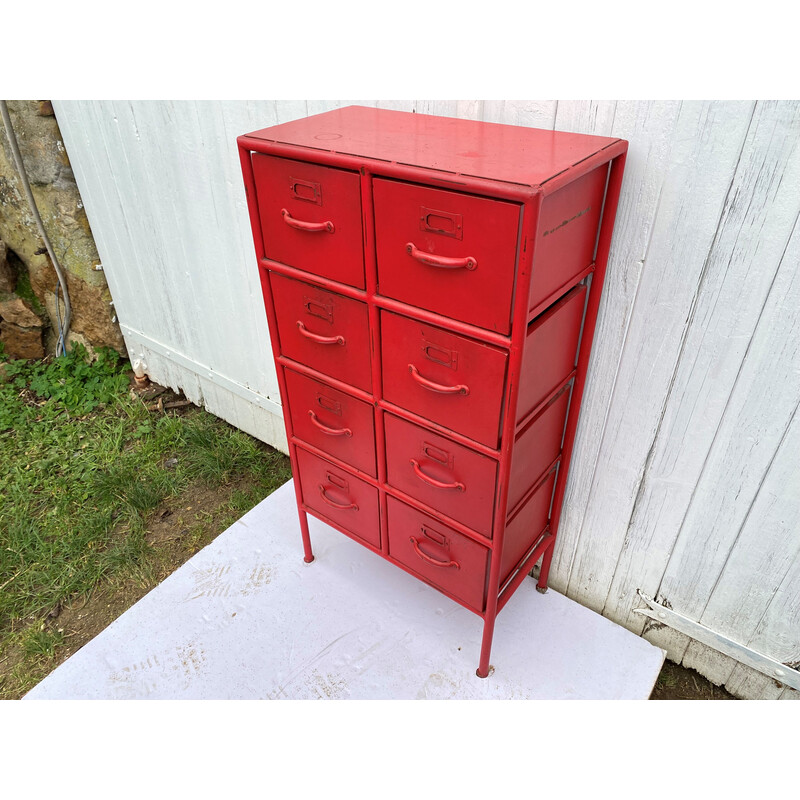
(567, 234)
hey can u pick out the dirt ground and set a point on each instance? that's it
(174, 542)
(679, 683)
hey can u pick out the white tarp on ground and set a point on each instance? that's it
(246, 618)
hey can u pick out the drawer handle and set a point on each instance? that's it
(434, 561)
(432, 482)
(315, 337)
(441, 261)
(436, 387)
(333, 503)
(326, 429)
(312, 227)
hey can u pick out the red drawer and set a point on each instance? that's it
(447, 252)
(311, 217)
(551, 346)
(332, 421)
(324, 330)
(537, 446)
(341, 497)
(447, 476)
(444, 377)
(525, 527)
(568, 225)
(438, 554)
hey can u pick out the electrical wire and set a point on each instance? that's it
(61, 339)
(61, 347)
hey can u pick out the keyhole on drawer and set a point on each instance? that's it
(445, 223)
(306, 190)
(434, 536)
(337, 481)
(440, 355)
(334, 406)
(435, 454)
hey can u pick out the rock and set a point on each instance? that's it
(21, 342)
(17, 312)
(61, 208)
(92, 314)
(8, 277)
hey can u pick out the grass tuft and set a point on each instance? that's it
(85, 467)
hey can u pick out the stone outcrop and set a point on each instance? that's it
(8, 278)
(20, 329)
(61, 209)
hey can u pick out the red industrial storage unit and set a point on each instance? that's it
(432, 287)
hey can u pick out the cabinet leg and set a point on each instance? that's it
(308, 555)
(486, 647)
(544, 572)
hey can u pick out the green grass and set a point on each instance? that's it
(83, 466)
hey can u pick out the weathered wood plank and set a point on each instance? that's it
(761, 207)
(649, 128)
(587, 116)
(708, 139)
(528, 113)
(745, 603)
(756, 421)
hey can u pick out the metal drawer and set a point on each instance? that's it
(324, 330)
(438, 554)
(311, 217)
(447, 476)
(444, 377)
(447, 252)
(537, 446)
(527, 524)
(332, 421)
(568, 225)
(551, 348)
(341, 497)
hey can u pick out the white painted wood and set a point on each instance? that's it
(707, 141)
(530, 113)
(719, 522)
(761, 206)
(648, 127)
(701, 635)
(684, 477)
(755, 597)
(590, 116)
(162, 186)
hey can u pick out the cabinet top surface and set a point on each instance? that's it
(493, 151)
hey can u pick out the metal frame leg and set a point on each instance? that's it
(544, 572)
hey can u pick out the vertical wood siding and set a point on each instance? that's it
(685, 483)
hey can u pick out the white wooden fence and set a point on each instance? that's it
(685, 482)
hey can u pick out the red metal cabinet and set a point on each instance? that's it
(432, 288)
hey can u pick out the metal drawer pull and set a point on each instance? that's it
(312, 227)
(432, 482)
(315, 337)
(326, 429)
(330, 502)
(436, 387)
(434, 561)
(441, 261)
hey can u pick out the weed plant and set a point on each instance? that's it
(83, 465)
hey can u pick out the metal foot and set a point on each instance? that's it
(308, 560)
(541, 589)
(488, 672)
